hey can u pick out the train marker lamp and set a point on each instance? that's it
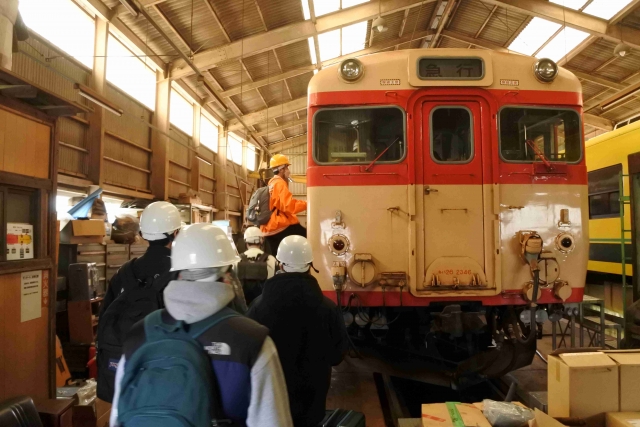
(545, 70)
(351, 70)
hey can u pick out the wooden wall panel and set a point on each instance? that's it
(24, 355)
(25, 145)
(125, 177)
(75, 134)
(133, 124)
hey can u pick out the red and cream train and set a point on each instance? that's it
(447, 197)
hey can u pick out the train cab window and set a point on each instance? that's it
(531, 134)
(451, 135)
(359, 135)
(604, 192)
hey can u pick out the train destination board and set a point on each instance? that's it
(439, 68)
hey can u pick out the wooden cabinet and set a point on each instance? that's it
(83, 320)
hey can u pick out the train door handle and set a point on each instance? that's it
(428, 190)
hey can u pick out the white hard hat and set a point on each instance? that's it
(202, 246)
(295, 252)
(158, 219)
(252, 235)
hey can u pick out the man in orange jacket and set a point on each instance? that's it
(284, 207)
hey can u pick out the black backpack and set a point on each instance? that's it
(258, 212)
(139, 298)
(252, 273)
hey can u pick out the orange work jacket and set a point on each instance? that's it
(283, 205)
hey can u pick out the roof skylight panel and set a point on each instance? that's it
(535, 34)
(563, 43)
(329, 44)
(606, 9)
(571, 4)
(322, 7)
(354, 37)
(350, 3)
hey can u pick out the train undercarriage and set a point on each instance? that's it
(464, 340)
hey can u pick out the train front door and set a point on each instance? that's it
(453, 195)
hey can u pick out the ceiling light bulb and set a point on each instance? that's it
(379, 23)
(621, 49)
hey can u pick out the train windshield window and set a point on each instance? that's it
(604, 192)
(359, 135)
(527, 134)
(451, 135)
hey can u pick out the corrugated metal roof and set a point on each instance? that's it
(230, 74)
(419, 18)
(240, 18)
(275, 93)
(470, 17)
(262, 65)
(278, 13)
(504, 26)
(195, 22)
(299, 84)
(294, 55)
(248, 101)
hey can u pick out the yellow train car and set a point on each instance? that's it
(607, 157)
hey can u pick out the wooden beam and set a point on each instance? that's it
(443, 21)
(598, 80)
(290, 34)
(160, 141)
(97, 80)
(577, 50)
(246, 87)
(282, 127)
(296, 141)
(627, 10)
(272, 112)
(598, 122)
(623, 96)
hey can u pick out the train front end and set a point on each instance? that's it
(448, 201)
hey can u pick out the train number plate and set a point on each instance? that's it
(389, 82)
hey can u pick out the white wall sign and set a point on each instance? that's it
(31, 295)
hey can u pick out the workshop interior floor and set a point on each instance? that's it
(361, 384)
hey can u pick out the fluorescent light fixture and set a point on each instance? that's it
(535, 34)
(606, 9)
(322, 7)
(563, 43)
(98, 99)
(571, 4)
(329, 45)
(312, 50)
(354, 37)
(305, 9)
(130, 7)
(351, 3)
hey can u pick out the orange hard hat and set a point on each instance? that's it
(278, 160)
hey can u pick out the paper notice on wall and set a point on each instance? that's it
(635, 422)
(19, 241)
(31, 296)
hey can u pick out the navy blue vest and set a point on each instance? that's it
(233, 346)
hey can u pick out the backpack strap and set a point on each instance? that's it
(155, 329)
(199, 328)
(264, 257)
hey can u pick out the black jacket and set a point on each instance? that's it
(156, 261)
(310, 336)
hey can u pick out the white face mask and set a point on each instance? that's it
(296, 268)
(204, 274)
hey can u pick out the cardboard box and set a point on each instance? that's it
(629, 379)
(543, 420)
(581, 384)
(439, 415)
(623, 419)
(83, 231)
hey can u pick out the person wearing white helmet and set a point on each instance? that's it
(256, 266)
(307, 328)
(159, 224)
(246, 369)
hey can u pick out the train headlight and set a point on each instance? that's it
(545, 70)
(351, 70)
